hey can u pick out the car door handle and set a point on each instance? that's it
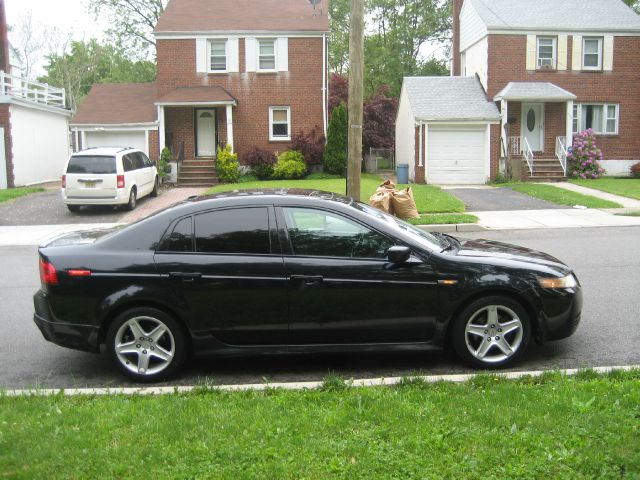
(185, 277)
(307, 279)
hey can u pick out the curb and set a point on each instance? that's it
(372, 382)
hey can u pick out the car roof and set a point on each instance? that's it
(300, 193)
(111, 151)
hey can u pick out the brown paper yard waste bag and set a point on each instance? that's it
(381, 201)
(403, 204)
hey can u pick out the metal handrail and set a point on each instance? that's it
(527, 153)
(41, 93)
(562, 153)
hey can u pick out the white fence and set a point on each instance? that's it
(41, 93)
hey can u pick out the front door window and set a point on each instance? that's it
(206, 133)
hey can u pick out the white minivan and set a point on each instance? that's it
(108, 176)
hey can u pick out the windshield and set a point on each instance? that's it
(92, 164)
(428, 240)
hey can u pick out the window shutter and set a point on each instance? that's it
(233, 60)
(283, 54)
(576, 59)
(562, 52)
(201, 55)
(607, 53)
(531, 52)
(250, 53)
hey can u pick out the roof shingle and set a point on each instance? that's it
(117, 104)
(197, 95)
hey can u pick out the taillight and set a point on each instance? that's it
(64, 181)
(48, 274)
(120, 181)
(79, 273)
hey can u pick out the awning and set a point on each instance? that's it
(534, 92)
(210, 96)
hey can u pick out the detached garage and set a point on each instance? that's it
(443, 130)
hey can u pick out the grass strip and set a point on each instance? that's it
(626, 187)
(11, 193)
(546, 427)
(561, 196)
(444, 219)
(429, 199)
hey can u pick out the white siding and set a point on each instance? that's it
(405, 135)
(40, 144)
(472, 28)
(562, 52)
(618, 168)
(233, 55)
(476, 60)
(250, 54)
(576, 55)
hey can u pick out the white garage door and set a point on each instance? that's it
(456, 155)
(117, 139)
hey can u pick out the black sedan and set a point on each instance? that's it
(277, 271)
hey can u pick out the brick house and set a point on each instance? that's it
(239, 72)
(553, 68)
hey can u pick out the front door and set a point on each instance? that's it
(206, 133)
(533, 125)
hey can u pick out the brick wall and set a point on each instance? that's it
(154, 147)
(300, 88)
(5, 122)
(455, 47)
(507, 60)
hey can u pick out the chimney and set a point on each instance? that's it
(5, 62)
(455, 50)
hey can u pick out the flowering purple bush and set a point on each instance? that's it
(584, 157)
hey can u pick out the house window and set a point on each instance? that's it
(279, 123)
(592, 53)
(602, 118)
(267, 54)
(218, 55)
(546, 52)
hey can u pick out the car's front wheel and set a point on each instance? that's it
(146, 344)
(491, 332)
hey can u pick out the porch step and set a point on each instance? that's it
(197, 182)
(542, 178)
(197, 173)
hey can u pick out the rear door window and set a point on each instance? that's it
(137, 160)
(181, 239)
(239, 230)
(98, 164)
(127, 163)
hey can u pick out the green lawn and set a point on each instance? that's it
(560, 196)
(550, 427)
(11, 193)
(429, 199)
(444, 219)
(626, 187)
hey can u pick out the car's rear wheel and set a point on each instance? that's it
(491, 332)
(156, 187)
(132, 199)
(146, 344)
(73, 208)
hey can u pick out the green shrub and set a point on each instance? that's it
(290, 166)
(164, 165)
(335, 153)
(227, 165)
(261, 162)
(635, 170)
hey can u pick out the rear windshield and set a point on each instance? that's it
(92, 164)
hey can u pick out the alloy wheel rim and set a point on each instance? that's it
(145, 345)
(493, 334)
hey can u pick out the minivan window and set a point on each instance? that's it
(138, 162)
(92, 164)
(127, 163)
(145, 160)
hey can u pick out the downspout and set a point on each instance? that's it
(420, 162)
(324, 84)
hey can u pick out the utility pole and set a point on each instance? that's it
(356, 75)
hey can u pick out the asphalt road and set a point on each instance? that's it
(605, 259)
(499, 199)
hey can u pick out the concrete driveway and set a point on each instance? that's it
(490, 199)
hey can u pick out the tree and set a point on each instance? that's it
(28, 43)
(335, 153)
(83, 64)
(133, 23)
(379, 120)
(338, 90)
(635, 4)
(339, 35)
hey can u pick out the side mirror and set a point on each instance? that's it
(399, 254)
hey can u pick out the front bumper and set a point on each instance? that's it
(77, 337)
(561, 313)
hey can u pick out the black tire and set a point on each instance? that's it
(74, 208)
(131, 205)
(477, 324)
(156, 187)
(173, 341)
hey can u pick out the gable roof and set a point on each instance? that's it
(118, 104)
(540, 91)
(243, 16)
(562, 15)
(449, 99)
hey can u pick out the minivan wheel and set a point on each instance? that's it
(132, 199)
(491, 332)
(146, 344)
(73, 208)
(156, 187)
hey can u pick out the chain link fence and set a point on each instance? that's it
(380, 160)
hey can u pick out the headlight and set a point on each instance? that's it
(565, 282)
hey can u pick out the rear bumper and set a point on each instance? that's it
(121, 198)
(77, 337)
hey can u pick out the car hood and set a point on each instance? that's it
(488, 250)
(80, 238)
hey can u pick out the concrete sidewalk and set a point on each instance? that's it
(565, 218)
(624, 201)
